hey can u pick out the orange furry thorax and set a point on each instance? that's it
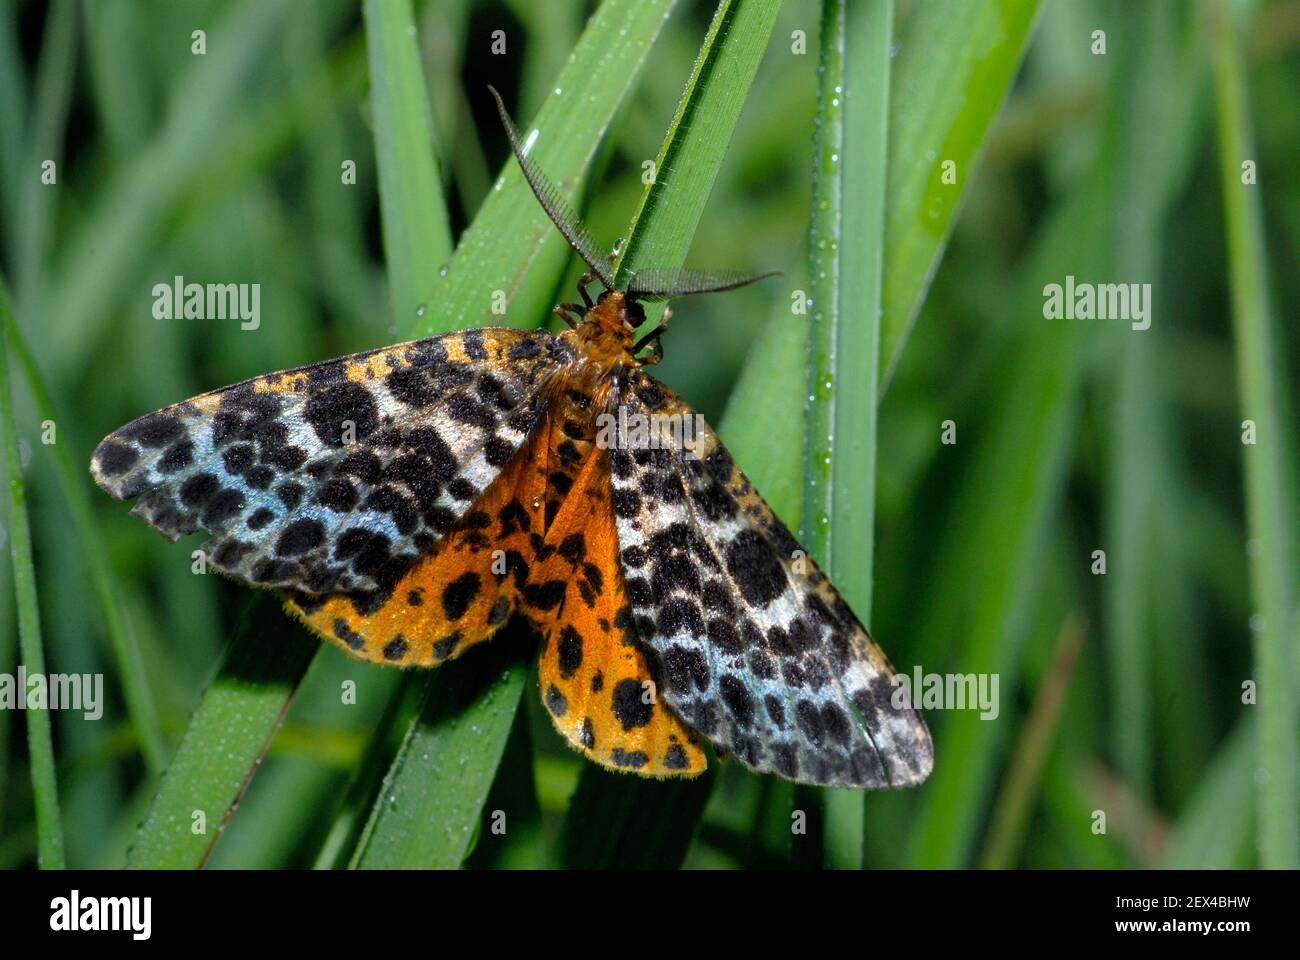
(604, 338)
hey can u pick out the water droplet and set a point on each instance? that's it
(419, 311)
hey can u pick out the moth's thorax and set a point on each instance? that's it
(604, 338)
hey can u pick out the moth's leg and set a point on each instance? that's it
(654, 337)
(587, 278)
(568, 312)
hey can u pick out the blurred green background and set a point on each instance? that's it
(1120, 694)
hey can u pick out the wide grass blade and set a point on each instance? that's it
(1155, 137)
(660, 235)
(693, 148)
(956, 60)
(1270, 483)
(847, 255)
(224, 742)
(428, 808)
(417, 235)
(1216, 829)
(40, 742)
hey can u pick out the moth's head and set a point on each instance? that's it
(616, 314)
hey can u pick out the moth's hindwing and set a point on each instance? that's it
(593, 676)
(452, 598)
(337, 477)
(767, 662)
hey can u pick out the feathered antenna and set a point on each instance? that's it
(557, 208)
(665, 283)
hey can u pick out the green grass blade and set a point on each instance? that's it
(929, 104)
(353, 813)
(40, 742)
(956, 60)
(1152, 134)
(223, 745)
(1009, 822)
(126, 651)
(660, 235)
(1270, 487)
(691, 154)
(1215, 830)
(417, 235)
(430, 802)
(846, 246)
(13, 116)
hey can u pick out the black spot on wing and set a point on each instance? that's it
(332, 410)
(459, 594)
(755, 567)
(629, 704)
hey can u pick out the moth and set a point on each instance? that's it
(408, 501)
